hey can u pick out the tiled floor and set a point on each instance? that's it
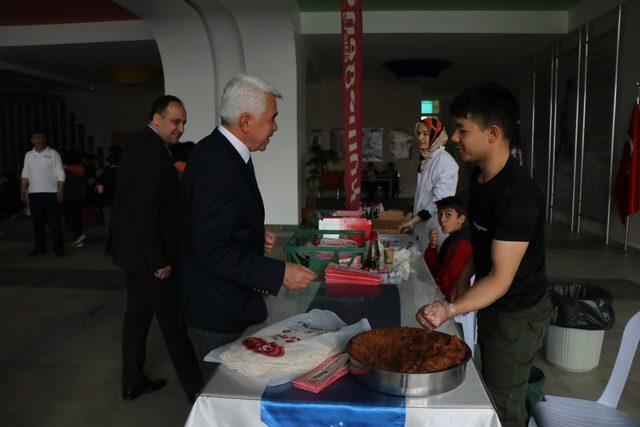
(61, 319)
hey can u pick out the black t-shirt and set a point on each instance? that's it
(510, 207)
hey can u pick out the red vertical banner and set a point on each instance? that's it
(627, 187)
(351, 13)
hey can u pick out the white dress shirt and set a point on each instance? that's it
(43, 170)
(237, 144)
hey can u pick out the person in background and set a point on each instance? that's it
(89, 162)
(447, 264)
(395, 180)
(507, 217)
(226, 273)
(10, 205)
(100, 161)
(43, 179)
(91, 212)
(437, 179)
(515, 146)
(107, 190)
(370, 175)
(371, 172)
(75, 192)
(315, 144)
(145, 241)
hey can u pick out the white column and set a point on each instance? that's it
(269, 33)
(187, 64)
(226, 45)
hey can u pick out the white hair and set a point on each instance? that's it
(244, 94)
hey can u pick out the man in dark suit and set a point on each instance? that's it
(145, 241)
(226, 274)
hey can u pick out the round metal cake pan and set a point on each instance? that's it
(407, 385)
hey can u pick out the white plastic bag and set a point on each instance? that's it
(285, 350)
(402, 262)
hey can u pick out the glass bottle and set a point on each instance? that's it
(373, 256)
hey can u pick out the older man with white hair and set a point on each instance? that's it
(226, 273)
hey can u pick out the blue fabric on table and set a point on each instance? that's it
(345, 402)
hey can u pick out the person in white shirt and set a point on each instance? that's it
(437, 179)
(43, 181)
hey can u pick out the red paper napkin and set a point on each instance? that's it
(340, 274)
(324, 375)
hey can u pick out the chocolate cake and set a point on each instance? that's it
(408, 350)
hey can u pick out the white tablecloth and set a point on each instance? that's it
(230, 399)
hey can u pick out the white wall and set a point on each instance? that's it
(443, 21)
(193, 47)
(187, 63)
(269, 31)
(84, 32)
(303, 59)
(225, 43)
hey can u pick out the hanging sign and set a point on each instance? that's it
(351, 16)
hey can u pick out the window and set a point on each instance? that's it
(429, 108)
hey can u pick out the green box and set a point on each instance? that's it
(299, 252)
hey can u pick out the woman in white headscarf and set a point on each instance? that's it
(437, 179)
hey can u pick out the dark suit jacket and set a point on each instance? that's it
(145, 221)
(224, 270)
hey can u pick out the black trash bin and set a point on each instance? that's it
(581, 315)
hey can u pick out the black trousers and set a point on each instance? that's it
(72, 213)
(508, 342)
(207, 341)
(147, 295)
(44, 208)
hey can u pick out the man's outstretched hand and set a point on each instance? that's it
(163, 273)
(297, 276)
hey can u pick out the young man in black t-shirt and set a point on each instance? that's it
(507, 216)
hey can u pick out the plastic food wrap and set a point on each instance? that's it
(285, 350)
